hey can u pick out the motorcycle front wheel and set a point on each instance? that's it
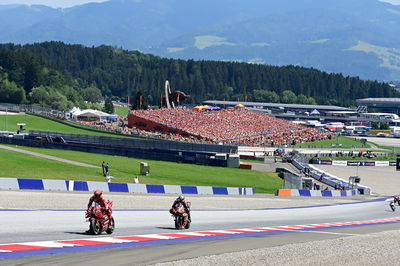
(111, 227)
(94, 227)
(178, 222)
(392, 206)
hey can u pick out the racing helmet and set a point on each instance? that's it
(97, 193)
(181, 198)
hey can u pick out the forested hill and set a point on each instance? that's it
(118, 72)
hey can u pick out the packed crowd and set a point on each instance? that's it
(232, 126)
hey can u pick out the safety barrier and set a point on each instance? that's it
(71, 185)
(316, 193)
(353, 163)
(327, 178)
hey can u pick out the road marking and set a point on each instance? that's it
(76, 245)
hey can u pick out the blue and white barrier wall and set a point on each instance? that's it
(316, 193)
(70, 185)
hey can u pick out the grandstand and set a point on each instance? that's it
(384, 105)
(238, 126)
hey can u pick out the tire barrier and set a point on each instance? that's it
(71, 185)
(316, 193)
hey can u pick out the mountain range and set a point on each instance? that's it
(353, 37)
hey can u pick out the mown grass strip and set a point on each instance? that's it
(124, 169)
(339, 143)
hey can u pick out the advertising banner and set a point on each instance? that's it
(381, 163)
(340, 163)
(368, 163)
(353, 163)
(326, 162)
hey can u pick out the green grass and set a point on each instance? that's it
(346, 143)
(9, 123)
(122, 111)
(389, 149)
(124, 169)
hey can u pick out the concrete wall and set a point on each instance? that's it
(70, 185)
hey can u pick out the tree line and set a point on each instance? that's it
(60, 75)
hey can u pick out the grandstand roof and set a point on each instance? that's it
(278, 105)
(379, 100)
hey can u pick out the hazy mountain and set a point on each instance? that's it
(356, 37)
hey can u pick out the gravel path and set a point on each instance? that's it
(372, 249)
(47, 156)
(11, 199)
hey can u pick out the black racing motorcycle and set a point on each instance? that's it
(181, 216)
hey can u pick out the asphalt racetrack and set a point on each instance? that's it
(38, 225)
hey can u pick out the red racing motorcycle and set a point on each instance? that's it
(99, 221)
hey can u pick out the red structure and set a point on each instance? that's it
(174, 97)
(144, 124)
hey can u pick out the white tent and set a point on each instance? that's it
(315, 112)
(91, 115)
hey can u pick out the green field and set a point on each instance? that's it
(123, 169)
(389, 149)
(122, 111)
(339, 143)
(9, 123)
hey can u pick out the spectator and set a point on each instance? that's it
(108, 178)
(106, 168)
(103, 168)
(136, 180)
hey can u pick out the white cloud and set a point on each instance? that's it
(394, 2)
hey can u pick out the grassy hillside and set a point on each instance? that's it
(9, 123)
(340, 142)
(124, 169)
(122, 111)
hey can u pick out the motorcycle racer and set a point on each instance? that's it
(396, 199)
(181, 201)
(98, 199)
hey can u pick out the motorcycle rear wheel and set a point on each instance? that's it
(94, 227)
(391, 204)
(111, 227)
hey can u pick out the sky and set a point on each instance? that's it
(52, 3)
(69, 3)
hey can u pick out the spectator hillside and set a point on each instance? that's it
(231, 126)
